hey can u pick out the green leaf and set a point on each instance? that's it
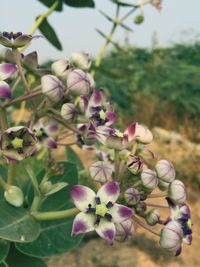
(4, 249)
(80, 3)
(50, 34)
(74, 158)
(61, 199)
(49, 3)
(55, 239)
(16, 224)
(17, 259)
(123, 3)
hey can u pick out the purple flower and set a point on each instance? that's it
(99, 211)
(5, 90)
(15, 40)
(46, 133)
(7, 70)
(18, 143)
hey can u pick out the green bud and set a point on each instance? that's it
(14, 196)
(139, 19)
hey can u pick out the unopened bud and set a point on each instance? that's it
(132, 196)
(134, 164)
(124, 230)
(68, 111)
(5, 90)
(141, 208)
(14, 196)
(61, 68)
(152, 217)
(45, 187)
(101, 171)
(177, 192)
(52, 87)
(149, 179)
(171, 237)
(165, 171)
(81, 60)
(163, 185)
(139, 19)
(142, 134)
(79, 82)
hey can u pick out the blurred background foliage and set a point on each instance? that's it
(158, 86)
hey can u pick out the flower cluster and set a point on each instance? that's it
(69, 104)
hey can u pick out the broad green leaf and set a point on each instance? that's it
(50, 34)
(49, 3)
(17, 259)
(4, 249)
(74, 158)
(16, 224)
(80, 3)
(56, 188)
(61, 199)
(55, 239)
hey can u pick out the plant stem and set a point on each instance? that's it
(3, 119)
(11, 173)
(107, 42)
(146, 226)
(3, 184)
(162, 194)
(157, 205)
(54, 215)
(36, 203)
(5, 263)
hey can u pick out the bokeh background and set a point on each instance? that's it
(154, 78)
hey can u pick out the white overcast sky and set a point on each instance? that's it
(178, 21)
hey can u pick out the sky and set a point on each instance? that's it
(177, 22)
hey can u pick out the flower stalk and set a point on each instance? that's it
(54, 215)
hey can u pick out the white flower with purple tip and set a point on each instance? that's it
(5, 90)
(7, 70)
(98, 211)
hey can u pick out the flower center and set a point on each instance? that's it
(17, 143)
(102, 115)
(101, 210)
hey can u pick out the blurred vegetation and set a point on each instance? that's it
(160, 86)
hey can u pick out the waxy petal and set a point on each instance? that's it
(109, 192)
(5, 90)
(82, 196)
(106, 230)
(83, 223)
(120, 213)
(7, 70)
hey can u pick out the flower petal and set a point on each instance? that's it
(82, 196)
(109, 192)
(120, 213)
(5, 90)
(22, 40)
(7, 70)
(106, 230)
(83, 223)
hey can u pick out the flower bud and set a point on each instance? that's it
(132, 196)
(81, 60)
(165, 171)
(139, 19)
(52, 87)
(149, 179)
(79, 82)
(134, 164)
(7, 70)
(114, 142)
(68, 111)
(141, 208)
(18, 143)
(5, 90)
(152, 217)
(142, 134)
(124, 230)
(14, 196)
(163, 185)
(45, 187)
(101, 171)
(177, 192)
(61, 68)
(171, 237)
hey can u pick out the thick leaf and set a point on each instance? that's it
(80, 3)
(55, 239)
(74, 158)
(50, 34)
(49, 3)
(17, 259)
(61, 199)
(4, 249)
(16, 224)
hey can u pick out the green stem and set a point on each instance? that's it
(107, 42)
(3, 184)
(11, 173)
(54, 215)
(3, 119)
(5, 263)
(146, 226)
(36, 203)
